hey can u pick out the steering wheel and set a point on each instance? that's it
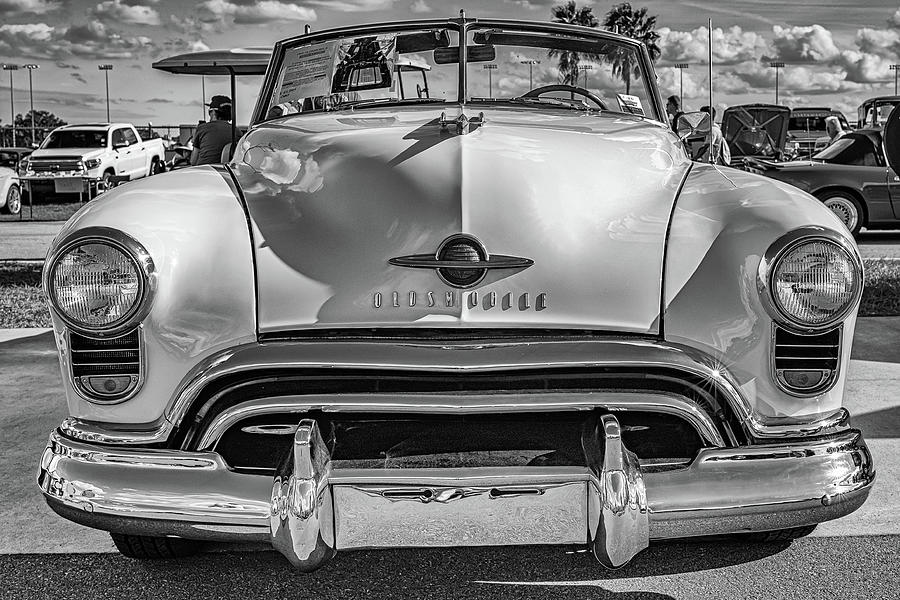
(562, 87)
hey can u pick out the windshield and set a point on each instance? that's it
(558, 70)
(76, 139)
(526, 67)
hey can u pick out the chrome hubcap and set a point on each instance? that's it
(14, 201)
(845, 210)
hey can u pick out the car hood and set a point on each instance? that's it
(68, 153)
(6, 172)
(334, 197)
(756, 129)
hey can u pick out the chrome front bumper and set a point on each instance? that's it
(311, 510)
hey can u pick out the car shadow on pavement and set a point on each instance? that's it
(879, 424)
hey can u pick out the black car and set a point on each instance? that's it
(850, 176)
(10, 157)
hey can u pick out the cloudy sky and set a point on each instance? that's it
(837, 52)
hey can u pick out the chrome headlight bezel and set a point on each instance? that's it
(132, 249)
(784, 245)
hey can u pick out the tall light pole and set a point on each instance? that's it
(584, 69)
(12, 108)
(530, 64)
(106, 69)
(895, 69)
(203, 91)
(776, 66)
(31, 67)
(490, 67)
(681, 67)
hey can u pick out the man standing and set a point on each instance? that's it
(717, 151)
(212, 137)
(673, 108)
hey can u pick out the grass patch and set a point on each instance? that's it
(881, 296)
(22, 302)
(45, 212)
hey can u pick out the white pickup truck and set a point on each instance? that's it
(74, 159)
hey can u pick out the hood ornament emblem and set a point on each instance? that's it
(461, 261)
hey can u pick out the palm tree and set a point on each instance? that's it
(568, 59)
(635, 24)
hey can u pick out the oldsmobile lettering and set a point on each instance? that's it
(451, 299)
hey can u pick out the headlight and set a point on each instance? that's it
(92, 163)
(812, 282)
(100, 285)
(23, 164)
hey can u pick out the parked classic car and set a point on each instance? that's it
(806, 127)
(508, 316)
(851, 177)
(874, 111)
(756, 131)
(10, 192)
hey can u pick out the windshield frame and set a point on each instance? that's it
(461, 25)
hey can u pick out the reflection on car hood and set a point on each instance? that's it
(6, 172)
(333, 197)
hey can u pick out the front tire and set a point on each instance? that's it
(156, 167)
(13, 205)
(846, 207)
(153, 548)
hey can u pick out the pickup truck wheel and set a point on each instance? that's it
(13, 203)
(846, 207)
(156, 167)
(106, 180)
(145, 547)
(781, 535)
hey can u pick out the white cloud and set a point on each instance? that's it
(16, 7)
(353, 5)
(93, 40)
(115, 11)
(863, 67)
(419, 7)
(730, 46)
(264, 11)
(804, 44)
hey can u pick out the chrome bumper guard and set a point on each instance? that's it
(311, 510)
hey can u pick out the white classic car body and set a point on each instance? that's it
(398, 311)
(10, 191)
(118, 150)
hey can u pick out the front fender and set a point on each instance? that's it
(195, 229)
(723, 222)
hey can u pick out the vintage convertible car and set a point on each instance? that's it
(851, 177)
(505, 311)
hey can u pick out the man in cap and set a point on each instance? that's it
(212, 137)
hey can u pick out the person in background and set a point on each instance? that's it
(212, 137)
(834, 130)
(717, 151)
(673, 108)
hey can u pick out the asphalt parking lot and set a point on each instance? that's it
(42, 555)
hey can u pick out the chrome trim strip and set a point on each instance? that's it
(124, 243)
(194, 494)
(470, 357)
(470, 403)
(782, 246)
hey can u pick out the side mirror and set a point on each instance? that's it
(891, 138)
(693, 124)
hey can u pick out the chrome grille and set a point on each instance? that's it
(106, 369)
(48, 166)
(806, 364)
